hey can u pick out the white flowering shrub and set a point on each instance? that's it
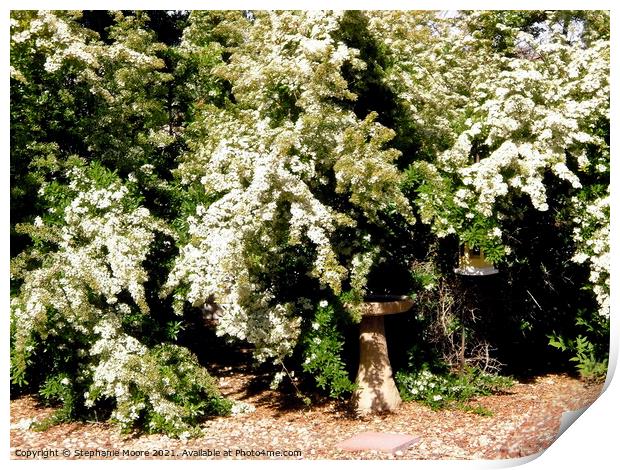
(120, 85)
(290, 170)
(508, 114)
(503, 121)
(75, 93)
(81, 286)
(100, 242)
(162, 389)
(588, 345)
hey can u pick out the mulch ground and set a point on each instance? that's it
(524, 421)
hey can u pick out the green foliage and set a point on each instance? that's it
(54, 353)
(588, 349)
(322, 346)
(442, 389)
(58, 390)
(587, 363)
(424, 277)
(478, 409)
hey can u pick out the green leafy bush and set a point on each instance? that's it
(588, 350)
(322, 351)
(439, 390)
(58, 390)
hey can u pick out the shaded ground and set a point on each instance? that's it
(524, 421)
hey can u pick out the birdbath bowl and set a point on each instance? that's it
(376, 390)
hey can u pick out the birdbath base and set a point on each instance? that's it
(376, 390)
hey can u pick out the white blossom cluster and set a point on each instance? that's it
(535, 118)
(591, 235)
(119, 240)
(504, 122)
(225, 234)
(113, 349)
(57, 37)
(101, 248)
(270, 162)
(360, 268)
(424, 383)
(241, 408)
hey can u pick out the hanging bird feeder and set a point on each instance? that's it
(472, 262)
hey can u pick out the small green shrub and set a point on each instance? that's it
(478, 409)
(439, 390)
(589, 364)
(588, 345)
(58, 390)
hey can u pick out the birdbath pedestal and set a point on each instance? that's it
(376, 390)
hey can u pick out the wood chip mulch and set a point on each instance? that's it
(525, 421)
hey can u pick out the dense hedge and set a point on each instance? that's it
(275, 168)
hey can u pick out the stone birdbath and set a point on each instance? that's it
(376, 390)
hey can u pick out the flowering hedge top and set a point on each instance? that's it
(494, 123)
(289, 165)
